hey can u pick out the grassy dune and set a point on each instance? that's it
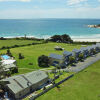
(83, 86)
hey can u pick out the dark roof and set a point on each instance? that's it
(76, 51)
(67, 53)
(56, 56)
(83, 49)
(90, 47)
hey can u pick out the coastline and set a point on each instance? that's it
(86, 39)
(74, 39)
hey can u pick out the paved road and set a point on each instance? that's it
(82, 65)
(79, 66)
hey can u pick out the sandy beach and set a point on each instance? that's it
(86, 39)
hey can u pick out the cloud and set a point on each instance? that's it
(81, 12)
(74, 2)
(15, 0)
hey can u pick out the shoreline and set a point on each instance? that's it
(74, 39)
(86, 39)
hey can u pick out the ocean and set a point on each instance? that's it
(44, 28)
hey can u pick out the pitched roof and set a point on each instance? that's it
(9, 61)
(76, 51)
(20, 82)
(83, 49)
(9, 66)
(67, 53)
(56, 56)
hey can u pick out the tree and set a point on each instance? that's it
(9, 53)
(71, 59)
(21, 56)
(94, 51)
(61, 38)
(66, 38)
(81, 56)
(56, 38)
(43, 61)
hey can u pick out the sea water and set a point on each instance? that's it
(44, 28)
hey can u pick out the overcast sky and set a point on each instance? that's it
(22, 9)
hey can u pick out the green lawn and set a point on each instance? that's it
(16, 42)
(31, 53)
(85, 85)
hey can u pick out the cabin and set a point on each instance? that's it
(85, 52)
(67, 55)
(21, 85)
(90, 50)
(56, 60)
(76, 54)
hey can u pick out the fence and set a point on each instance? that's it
(46, 90)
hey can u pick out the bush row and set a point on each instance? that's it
(15, 46)
(84, 43)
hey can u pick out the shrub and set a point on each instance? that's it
(71, 60)
(81, 57)
(61, 38)
(3, 47)
(9, 53)
(21, 56)
(43, 61)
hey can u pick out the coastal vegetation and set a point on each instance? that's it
(61, 38)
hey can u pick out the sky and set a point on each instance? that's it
(28, 9)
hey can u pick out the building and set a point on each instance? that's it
(85, 52)
(90, 50)
(9, 65)
(58, 48)
(98, 47)
(22, 85)
(67, 55)
(56, 60)
(76, 54)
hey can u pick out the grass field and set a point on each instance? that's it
(31, 53)
(16, 42)
(85, 85)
